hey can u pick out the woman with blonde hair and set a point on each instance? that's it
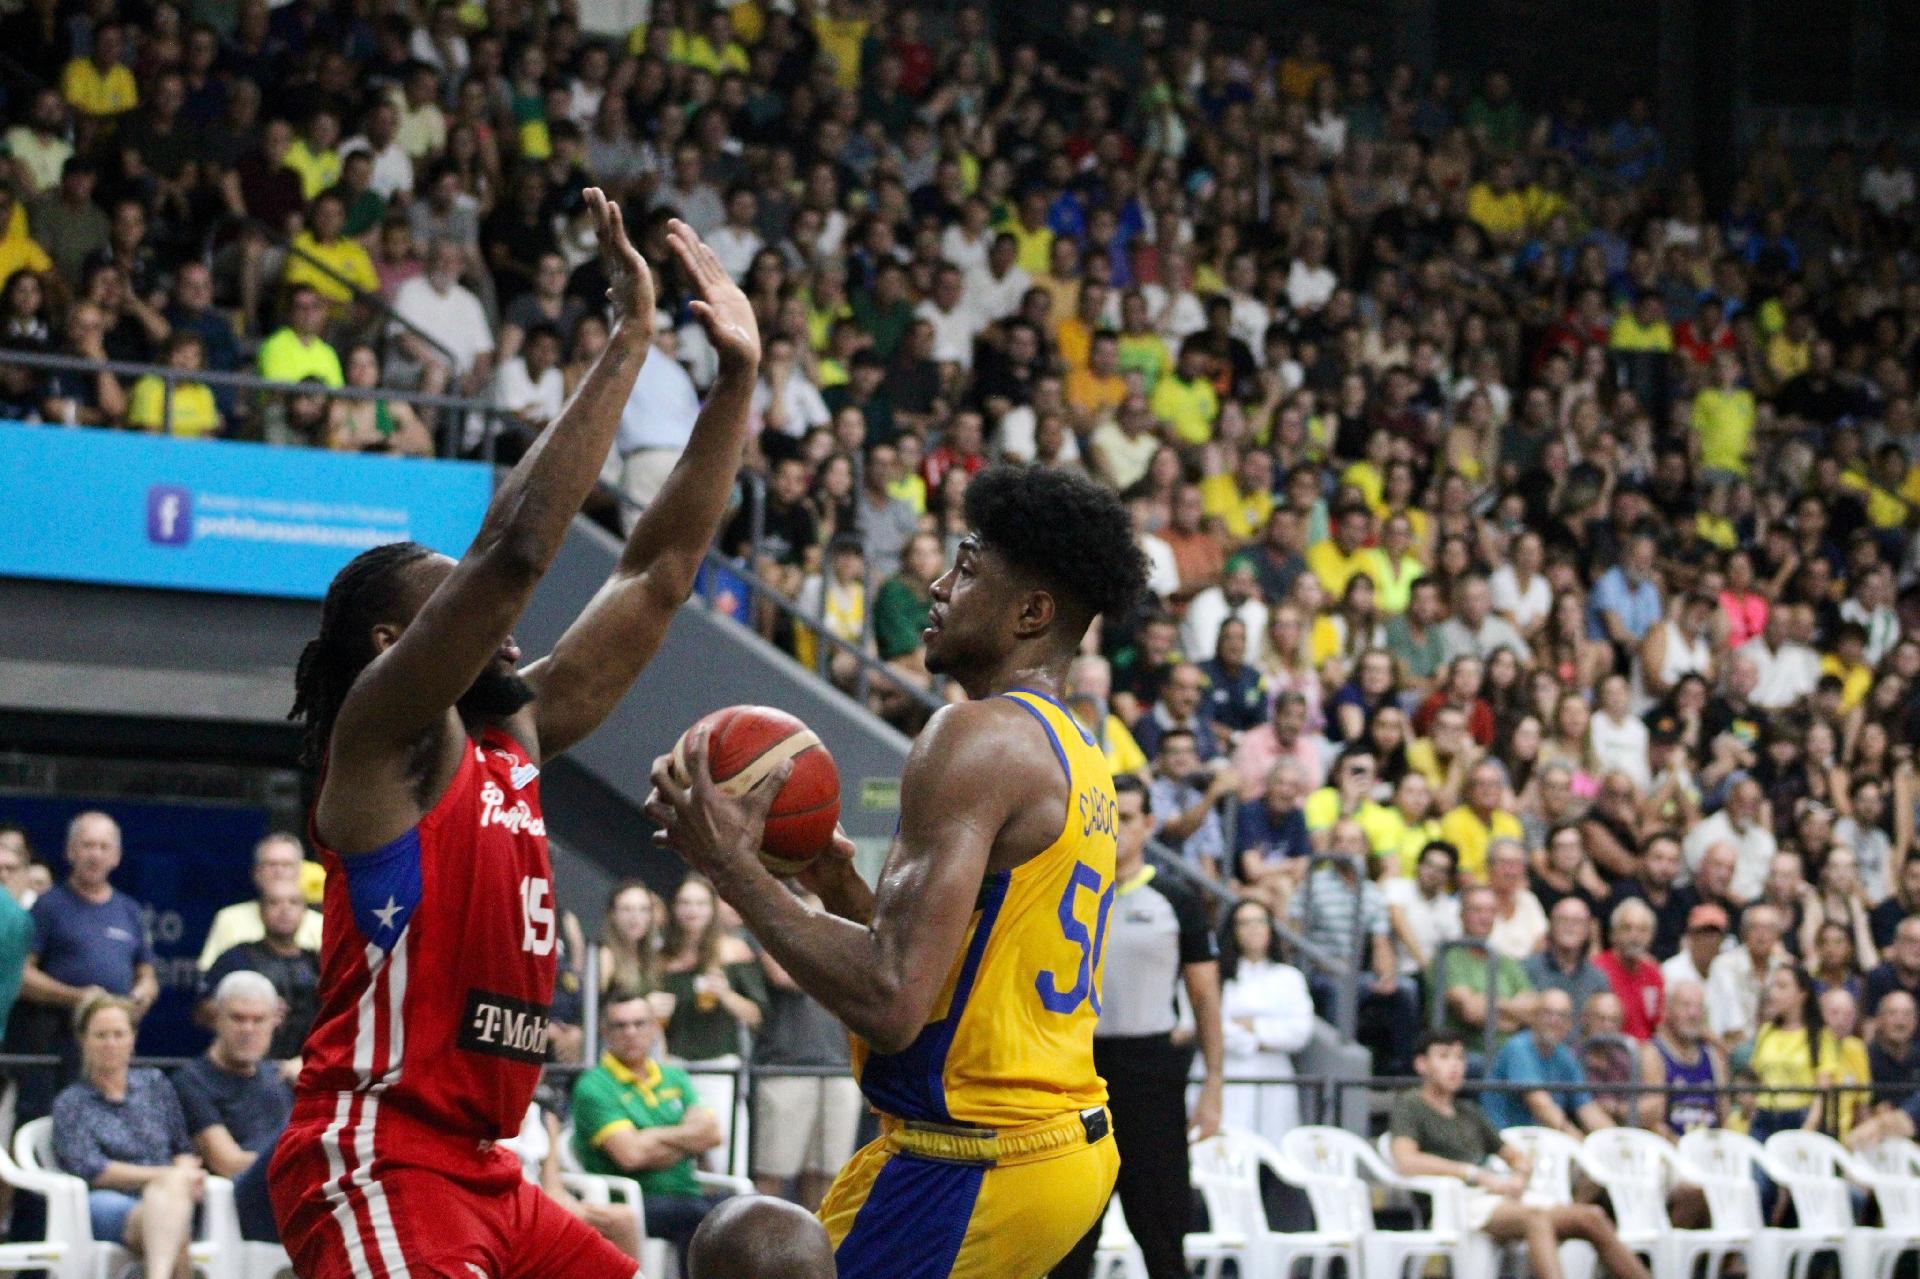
(630, 939)
(122, 1131)
(717, 988)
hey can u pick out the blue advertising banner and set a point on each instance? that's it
(181, 862)
(219, 515)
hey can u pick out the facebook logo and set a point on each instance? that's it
(169, 515)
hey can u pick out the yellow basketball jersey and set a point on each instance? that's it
(1011, 1039)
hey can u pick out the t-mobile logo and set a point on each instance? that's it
(169, 515)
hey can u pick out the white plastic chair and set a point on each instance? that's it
(1869, 1252)
(1226, 1169)
(71, 1224)
(655, 1258)
(51, 1254)
(1634, 1167)
(1554, 1157)
(1334, 1167)
(1722, 1163)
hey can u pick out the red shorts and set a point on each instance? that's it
(407, 1222)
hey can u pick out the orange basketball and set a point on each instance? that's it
(744, 744)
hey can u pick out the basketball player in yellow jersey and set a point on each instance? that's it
(972, 976)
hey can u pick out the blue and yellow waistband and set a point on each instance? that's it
(997, 1147)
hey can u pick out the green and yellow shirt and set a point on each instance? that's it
(611, 1099)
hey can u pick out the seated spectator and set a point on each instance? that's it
(1830, 960)
(1436, 1134)
(1185, 797)
(1540, 1055)
(1901, 971)
(1475, 630)
(901, 605)
(1519, 923)
(1272, 841)
(296, 351)
(277, 860)
(1564, 963)
(1631, 971)
(1266, 1014)
(188, 410)
(1236, 701)
(1181, 706)
(1705, 937)
(1283, 736)
(1793, 1053)
(1422, 907)
(1477, 986)
(531, 388)
(838, 597)
(291, 968)
(1850, 1072)
(1349, 796)
(375, 425)
(634, 1116)
(326, 260)
(1680, 1055)
(1342, 913)
(548, 304)
(121, 1131)
(1893, 1058)
(1235, 598)
(1741, 822)
(1479, 820)
(1904, 901)
(716, 984)
(79, 397)
(235, 1099)
(1655, 871)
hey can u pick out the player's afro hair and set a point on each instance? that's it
(1063, 528)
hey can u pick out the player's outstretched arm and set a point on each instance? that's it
(966, 777)
(410, 687)
(604, 651)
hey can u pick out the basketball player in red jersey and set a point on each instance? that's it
(439, 960)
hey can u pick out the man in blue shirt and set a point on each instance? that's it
(87, 936)
(1541, 1056)
(1626, 599)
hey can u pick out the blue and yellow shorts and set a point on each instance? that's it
(927, 1201)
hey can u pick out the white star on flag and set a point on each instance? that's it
(386, 913)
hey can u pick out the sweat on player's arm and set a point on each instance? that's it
(617, 634)
(963, 781)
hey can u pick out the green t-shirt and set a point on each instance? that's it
(701, 1034)
(16, 941)
(611, 1098)
(899, 615)
(1465, 1136)
(1468, 968)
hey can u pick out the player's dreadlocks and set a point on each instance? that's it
(363, 594)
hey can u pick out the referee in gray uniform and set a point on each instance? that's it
(1157, 937)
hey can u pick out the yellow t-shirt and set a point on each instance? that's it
(840, 40)
(1628, 334)
(1783, 1064)
(1096, 396)
(1035, 246)
(1393, 583)
(1724, 422)
(91, 93)
(1463, 828)
(1367, 477)
(911, 489)
(285, 358)
(1382, 824)
(194, 415)
(1334, 567)
(318, 170)
(343, 258)
(1788, 358)
(18, 250)
(1501, 215)
(1010, 1039)
(1147, 355)
(1123, 751)
(1854, 680)
(702, 54)
(1243, 514)
(1189, 407)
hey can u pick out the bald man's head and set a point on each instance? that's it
(755, 1237)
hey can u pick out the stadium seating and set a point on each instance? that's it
(1723, 1164)
(1338, 1170)
(70, 1224)
(1226, 1171)
(1635, 1168)
(1818, 1171)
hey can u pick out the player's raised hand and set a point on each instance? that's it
(720, 306)
(629, 278)
(712, 830)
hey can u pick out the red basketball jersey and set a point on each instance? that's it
(437, 968)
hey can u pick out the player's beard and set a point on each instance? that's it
(495, 695)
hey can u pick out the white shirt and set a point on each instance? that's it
(995, 297)
(515, 390)
(1888, 190)
(1019, 428)
(1787, 673)
(735, 247)
(392, 169)
(1733, 993)
(1309, 287)
(969, 255)
(1756, 845)
(1620, 746)
(1250, 319)
(805, 408)
(1176, 316)
(455, 319)
(661, 410)
(953, 331)
(1680, 968)
(1524, 605)
(1519, 936)
(1208, 611)
(1163, 573)
(1432, 922)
